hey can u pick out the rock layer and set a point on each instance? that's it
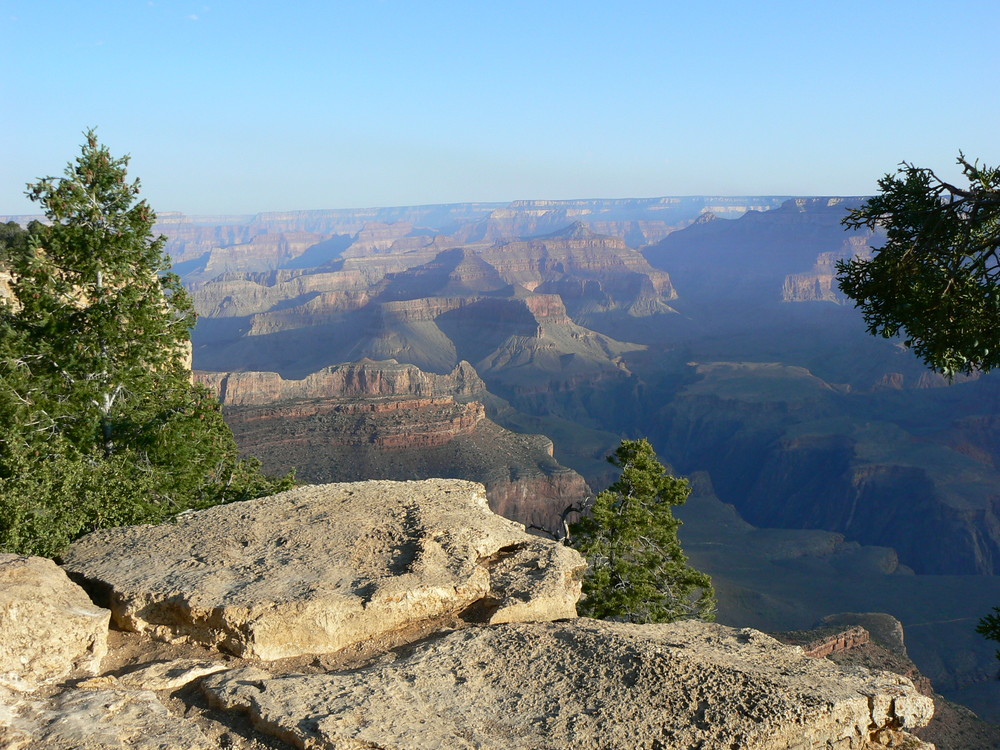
(540, 686)
(365, 379)
(316, 569)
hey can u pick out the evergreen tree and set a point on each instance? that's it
(12, 235)
(989, 627)
(638, 571)
(104, 426)
(936, 279)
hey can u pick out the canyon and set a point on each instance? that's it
(517, 344)
(724, 341)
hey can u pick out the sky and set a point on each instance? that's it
(230, 106)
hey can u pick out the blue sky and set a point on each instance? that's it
(246, 106)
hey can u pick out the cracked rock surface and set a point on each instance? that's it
(584, 684)
(320, 568)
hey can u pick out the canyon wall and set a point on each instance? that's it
(387, 420)
(365, 379)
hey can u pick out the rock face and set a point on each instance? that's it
(820, 284)
(347, 441)
(772, 247)
(263, 253)
(590, 272)
(386, 420)
(316, 569)
(48, 625)
(539, 686)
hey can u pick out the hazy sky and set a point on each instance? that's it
(243, 106)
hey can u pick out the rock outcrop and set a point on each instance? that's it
(48, 625)
(539, 686)
(871, 639)
(5, 290)
(317, 569)
(469, 640)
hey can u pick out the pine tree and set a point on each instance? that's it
(104, 426)
(637, 569)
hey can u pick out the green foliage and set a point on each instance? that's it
(937, 278)
(989, 627)
(104, 426)
(12, 236)
(638, 572)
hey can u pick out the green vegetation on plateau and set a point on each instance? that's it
(102, 425)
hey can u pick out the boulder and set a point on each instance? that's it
(48, 625)
(585, 684)
(316, 569)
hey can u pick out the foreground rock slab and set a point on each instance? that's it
(48, 625)
(316, 569)
(585, 684)
(111, 719)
